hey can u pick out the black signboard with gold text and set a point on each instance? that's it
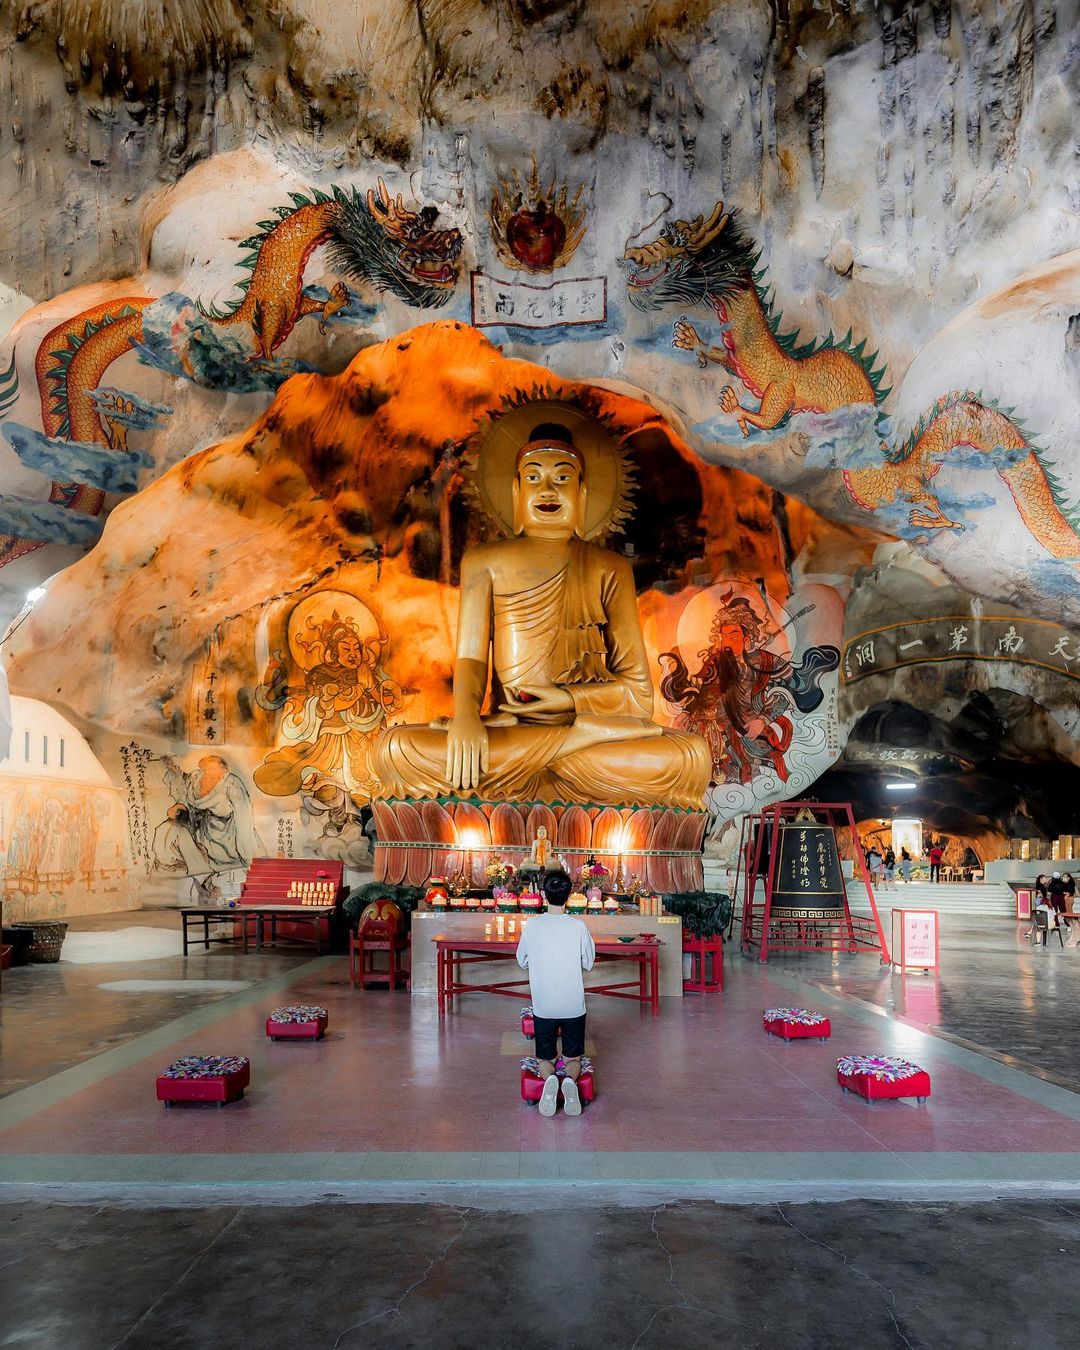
(809, 882)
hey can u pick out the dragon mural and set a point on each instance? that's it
(713, 262)
(372, 238)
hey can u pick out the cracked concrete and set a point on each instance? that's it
(692, 1274)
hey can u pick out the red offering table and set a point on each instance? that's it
(269, 882)
(456, 952)
(296, 923)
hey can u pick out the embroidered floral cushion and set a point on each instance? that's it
(885, 1068)
(532, 1064)
(297, 1012)
(206, 1066)
(803, 1016)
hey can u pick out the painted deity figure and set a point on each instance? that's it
(331, 724)
(743, 696)
(552, 619)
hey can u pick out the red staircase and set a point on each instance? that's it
(269, 881)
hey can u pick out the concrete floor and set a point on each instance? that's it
(332, 1277)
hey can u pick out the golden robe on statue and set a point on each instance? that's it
(578, 630)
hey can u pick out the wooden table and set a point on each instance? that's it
(189, 916)
(313, 914)
(455, 952)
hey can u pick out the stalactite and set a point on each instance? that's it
(815, 126)
(942, 14)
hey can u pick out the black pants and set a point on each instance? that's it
(547, 1034)
(935, 871)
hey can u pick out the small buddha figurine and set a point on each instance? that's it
(540, 851)
(553, 620)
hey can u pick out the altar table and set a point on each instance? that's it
(318, 916)
(455, 952)
(192, 918)
(470, 925)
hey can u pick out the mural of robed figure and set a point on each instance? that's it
(210, 826)
(553, 619)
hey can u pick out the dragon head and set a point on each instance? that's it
(689, 260)
(377, 239)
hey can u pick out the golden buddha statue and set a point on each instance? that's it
(553, 620)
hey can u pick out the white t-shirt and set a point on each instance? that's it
(555, 949)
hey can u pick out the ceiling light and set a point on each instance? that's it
(900, 787)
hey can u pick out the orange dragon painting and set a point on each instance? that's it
(711, 261)
(371, 237)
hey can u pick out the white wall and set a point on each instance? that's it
(63, 831)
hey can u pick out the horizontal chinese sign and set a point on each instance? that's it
(562, 303)
(1028, 642)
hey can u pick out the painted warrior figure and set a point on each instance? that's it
(741, 698)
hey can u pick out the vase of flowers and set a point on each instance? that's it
(500, 873)
(592, 873)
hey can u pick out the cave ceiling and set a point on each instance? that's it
(269, 266)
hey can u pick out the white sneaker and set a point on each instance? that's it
(549, 1098)
(571, 1098)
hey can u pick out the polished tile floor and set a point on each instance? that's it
(54, 1016)
(698, 1097)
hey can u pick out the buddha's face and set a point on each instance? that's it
(549, 495)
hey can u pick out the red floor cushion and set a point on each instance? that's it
(297, 1022)
(204, 1078)
(795, 1024)
(882, 1076)
(528, 1026)
(532, 1085)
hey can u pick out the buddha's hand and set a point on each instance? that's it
(466, 751)
(530, 699)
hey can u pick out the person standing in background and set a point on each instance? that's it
(888, 864)
(1041, 897)
(935, 855)
(905, 865)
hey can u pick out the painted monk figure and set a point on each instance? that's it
(553, 619)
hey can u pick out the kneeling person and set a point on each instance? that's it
(555, 949)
